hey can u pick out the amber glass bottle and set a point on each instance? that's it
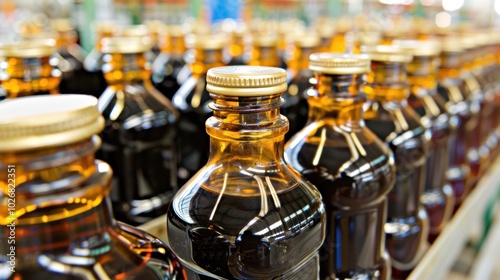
(438, 197)
(169, 68)
(27, 68)
(75, 79)
(477, 155)
(452, 88)
(353, 170)
(93, 61)
(192, 101)
(389, 116)
(138, 140)
(238, 49)
(484, 64)
(246, 214)
(296, 96)
(57, 196)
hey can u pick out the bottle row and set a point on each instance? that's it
(381, 148)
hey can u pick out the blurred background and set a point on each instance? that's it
(21, 15)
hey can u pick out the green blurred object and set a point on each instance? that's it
(89, 12)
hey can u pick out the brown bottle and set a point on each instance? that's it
(484, 66)
(238, 49)
(192, 101)
(389, 116)
(351, 167)
(478, 154)
(298, 68)
(438, 197)
(139, 137)
(75, 79)
(169, 68)
(93, 61)
(451, 87)
(55, 199)
(28, 68)
(247, 214)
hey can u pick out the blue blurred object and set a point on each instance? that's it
(222, 9)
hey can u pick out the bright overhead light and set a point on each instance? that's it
(452, 5)
(443, 19)
(427, 2)
(396, 2)
(497, 6)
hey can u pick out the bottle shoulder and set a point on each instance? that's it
(337, 150)
(391, 120)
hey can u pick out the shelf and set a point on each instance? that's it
(440, 257)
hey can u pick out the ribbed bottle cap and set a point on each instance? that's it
(140, 30)
(307, 41)
(125, 45)
(264, 40)
(206, 42)
(47, 121)
(387, 53)
(419, 48)
(62, 24)
(452, 45)
(336, 63)
(30, 48)
(246, 80)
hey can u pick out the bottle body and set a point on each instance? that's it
(407, 226)
(63, 221)
(246, 214)
(192, 101)
(355, 241)
(169, 73)
(438, 197)
(458, 175)
(138, 141)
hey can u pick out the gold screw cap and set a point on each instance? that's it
(125, 45)
(29, 48)
(337, 63)
(206, 42)
(246, 81)
(387, 53)
(419, 48)
(47, 121)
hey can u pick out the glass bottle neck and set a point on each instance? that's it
(337, 99)
(423, 74)
(265, 56)
(29, 76)
(204, 59)
(300, 58)
(451, 64)
(387, 82)
(246, 127)
(237, 47)
(175, 46)
(121, 69)
(60, 197)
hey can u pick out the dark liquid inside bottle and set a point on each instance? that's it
(407, 224)
(296, 107)
(85, 249)
(192, 101)
(76, 79)
(459, 173)
(355, 209)
(169, 73)
(138, 142)
(259, 239)
(438, 197)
